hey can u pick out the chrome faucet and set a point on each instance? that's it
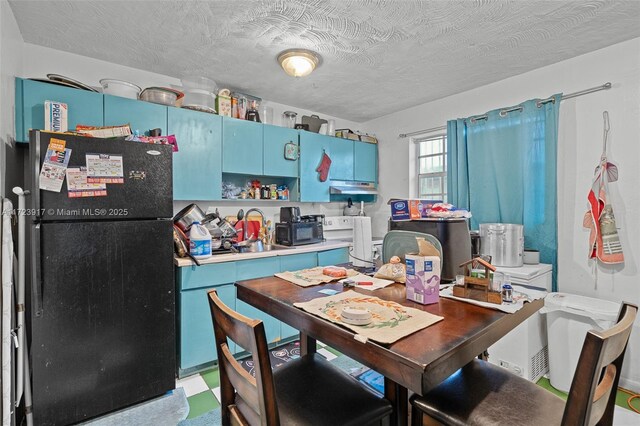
(246, 222)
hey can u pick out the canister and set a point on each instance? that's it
(504, 242)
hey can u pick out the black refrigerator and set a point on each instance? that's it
(102, 302)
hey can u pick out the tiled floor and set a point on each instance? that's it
(203, 390)
(621, 397)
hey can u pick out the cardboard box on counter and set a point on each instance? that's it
(423, 278)
(410, 209)
(55, 116)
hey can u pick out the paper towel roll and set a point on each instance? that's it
(362, 253)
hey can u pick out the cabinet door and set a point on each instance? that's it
(256, 268)
(333, 257)
(312, 146)
(366, 161)
(197, 342)
(341, 159)
(274, 163)
(142, 116)
(295, 262)
(197, 166)
(241, 146)
(84, 107)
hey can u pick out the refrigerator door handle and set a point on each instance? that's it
(36, 272)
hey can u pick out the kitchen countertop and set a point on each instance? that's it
(232, 257)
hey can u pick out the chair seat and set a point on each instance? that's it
(483, 394)
(311, 391)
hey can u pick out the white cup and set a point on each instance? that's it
(323, 129)
(331, 128)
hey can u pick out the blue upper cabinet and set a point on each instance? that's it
(84, 107)
(274, 163)
(312, 146)
(197, 166)
(142, 116)
(342, 166)
(241, 146)
(366, 162)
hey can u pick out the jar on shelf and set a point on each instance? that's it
(289, 119)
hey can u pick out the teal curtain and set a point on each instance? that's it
(503, 168)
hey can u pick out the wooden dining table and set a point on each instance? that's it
(417, 362)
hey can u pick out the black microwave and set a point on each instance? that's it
(298, 233)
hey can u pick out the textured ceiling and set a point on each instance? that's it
(378, 56)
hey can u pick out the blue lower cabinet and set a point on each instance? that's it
(197, 342)
(192, 277)
(333, 257)
(296, 262)
(288, 332)
(257, 268)
(271, 325)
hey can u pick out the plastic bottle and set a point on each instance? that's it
(199, 241)
(507, 289)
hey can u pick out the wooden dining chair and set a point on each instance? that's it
(483, 394)
(304, 391)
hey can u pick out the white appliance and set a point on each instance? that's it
(365, 249)
(524, 351)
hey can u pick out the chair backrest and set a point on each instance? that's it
(399, 243)
(245, 399)
(593, 390)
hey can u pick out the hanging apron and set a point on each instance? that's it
(604, 242)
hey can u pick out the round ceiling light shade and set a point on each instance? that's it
(298, 62)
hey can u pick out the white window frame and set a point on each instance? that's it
(442, 195)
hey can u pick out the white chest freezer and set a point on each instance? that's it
(524, 350)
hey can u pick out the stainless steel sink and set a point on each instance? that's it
(258, 247)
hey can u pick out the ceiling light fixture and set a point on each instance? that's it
(298, 62)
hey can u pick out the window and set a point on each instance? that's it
(432, 167)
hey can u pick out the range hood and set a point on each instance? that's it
(352, 188)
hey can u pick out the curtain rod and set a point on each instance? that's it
(605, 86)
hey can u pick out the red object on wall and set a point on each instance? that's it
(324, 166)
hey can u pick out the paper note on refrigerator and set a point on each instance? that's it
(105, 168)
(54, 167)
(77, 185)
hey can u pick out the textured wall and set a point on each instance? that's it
(10, 65)
(380, 56)
(579, 147)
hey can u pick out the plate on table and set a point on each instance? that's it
(71, 82)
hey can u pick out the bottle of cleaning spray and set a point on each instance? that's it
(199, 241)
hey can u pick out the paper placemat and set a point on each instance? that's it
(391, 321)
(376, 283)
(520, 296)
(311, 276)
